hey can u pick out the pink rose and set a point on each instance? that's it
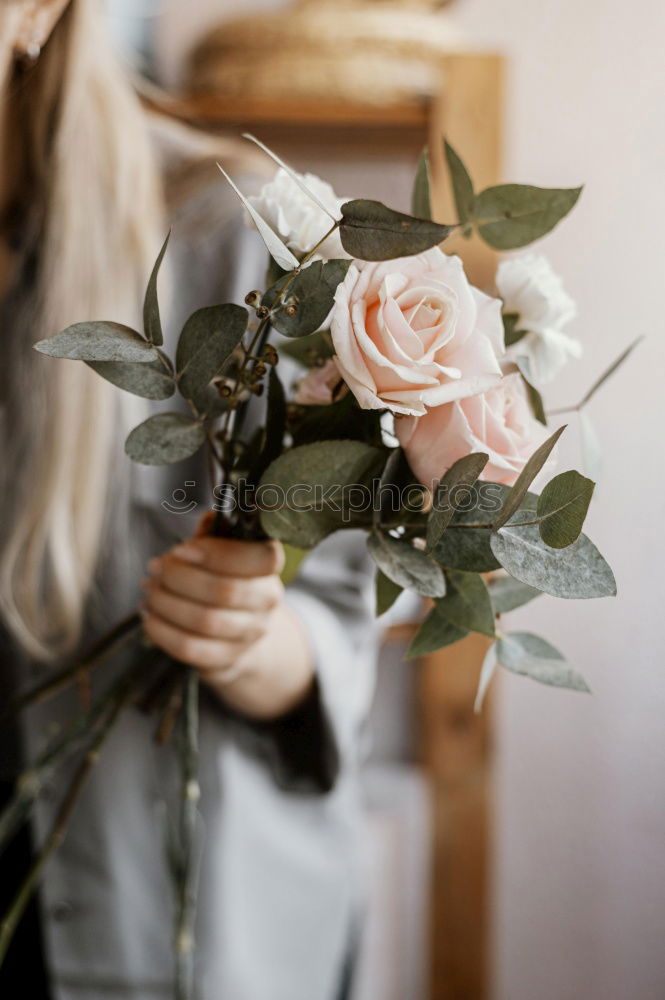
(499, 422)
(317, 387)
(413, 333)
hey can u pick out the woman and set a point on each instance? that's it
(82, 219)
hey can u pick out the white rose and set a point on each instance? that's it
(529, 287)
(298, 219)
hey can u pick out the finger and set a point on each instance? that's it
(231, 557)
(208, 655)
(204, 619)
(261, 593)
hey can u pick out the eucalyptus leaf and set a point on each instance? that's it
(275, 421)
(397, 485)
(507, 594)
(512, 215)
(466, 549)
(486, 674)
(421, 203)
(535, 399)
(151, 381)
(512, 334)
(152, 323)
(576, 572)
(371, 231)
(387, 592)
(98, 341)
(406, 566)
(309, 351)
(469, 549)
(274, 245)
(206, 342)
(529, 655)
(295, 177)
(527, 475)
(461, 183)
(434, 633)
(314, 293)
(467, 603)
(452, 489)
(315, 489)
(609, 371)
(342, 420)
(165, 438)
(564, 502)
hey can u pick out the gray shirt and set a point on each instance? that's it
(281, 869)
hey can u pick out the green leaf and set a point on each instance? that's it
(526, 477)
(398, 488)
(535, 399)
(152, 324)
(207, 341)
(293, 559)
(461, 183)
(506, 593)
(511, 331)
(371, 231)
(421, 203)
(512, 215)
(165, 438)
(275, 418)
(529, 655)
(434, 633)
(313, 292)
(451, 493)
(406, 566)
(310, 351)
(340, 421)
(152, 380)
(274, 245)
(98, 341)
(576, 572)
(315, 489)
(564, 502)
(467, 604)
(609, 371)
(469, 549)
(486, 674)
(387, 593)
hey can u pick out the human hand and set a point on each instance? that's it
(216, 604)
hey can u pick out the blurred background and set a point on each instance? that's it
(521, 854)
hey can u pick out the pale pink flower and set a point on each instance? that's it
(498, 422)
(414, 333)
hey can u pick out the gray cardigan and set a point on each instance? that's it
(281, 871)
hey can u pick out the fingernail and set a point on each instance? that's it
(154, 565)
(188, 553)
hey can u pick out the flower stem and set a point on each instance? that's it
(58, 831)
(186, 876)
(122, 634)
(30, 782)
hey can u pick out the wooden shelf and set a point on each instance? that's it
(215, 111)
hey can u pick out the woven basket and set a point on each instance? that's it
(328, 49)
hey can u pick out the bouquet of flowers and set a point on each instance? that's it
(418, 419)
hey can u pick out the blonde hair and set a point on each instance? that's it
(93, 206)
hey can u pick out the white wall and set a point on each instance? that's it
(580, 863)
(580, 857)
